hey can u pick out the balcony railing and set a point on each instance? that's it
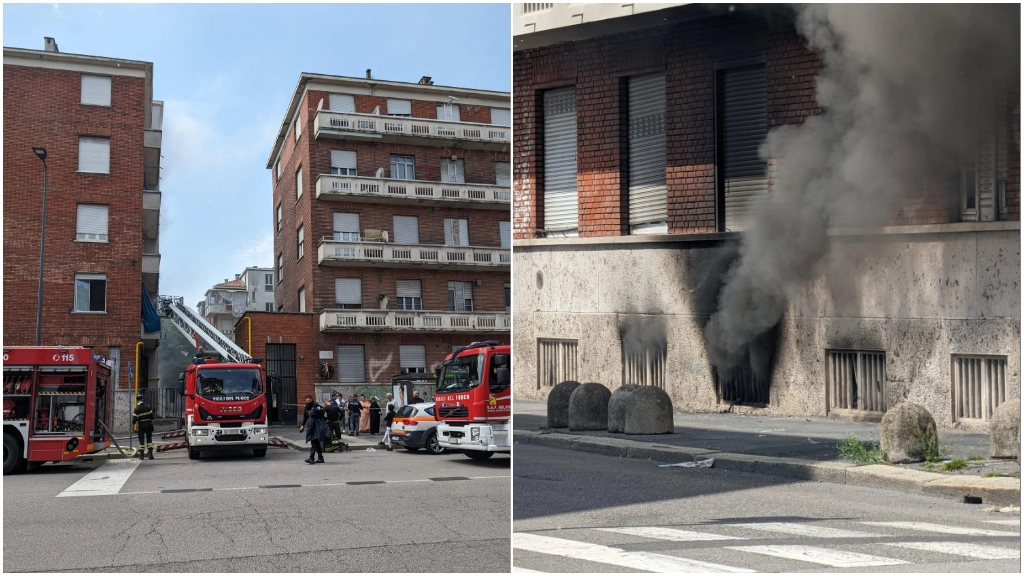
(413, 321)
(385, 190)
(341, 124)
(347, 253)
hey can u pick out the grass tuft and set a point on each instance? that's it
(852, 449)
(975, 458)
(954, 465)
(993, 475)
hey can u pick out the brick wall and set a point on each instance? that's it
(42, 108)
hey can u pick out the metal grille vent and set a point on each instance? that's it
(742, 385)
(556, 361)
(979, 386)
(644, 363)
(855, 380)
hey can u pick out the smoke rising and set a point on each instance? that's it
(906, 90)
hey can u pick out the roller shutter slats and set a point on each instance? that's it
(342, 103)
(412, 356)
(351, 366)
(348, 290)
(408, 289)
(96, 90)
(744, 126)
(647, 193)
(407, 230)
(560, 196)
(94, 154)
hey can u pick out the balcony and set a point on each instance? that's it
(415, 131)
(421, 192)
(413, 321)
(384, 255)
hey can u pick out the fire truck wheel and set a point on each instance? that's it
(259, 452)
(477, 455)
(12, 455)
(193, 453)
(433, 444)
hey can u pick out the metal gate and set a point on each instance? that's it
(281, 399)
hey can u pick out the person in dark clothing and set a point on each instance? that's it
(339, 401)
(415, 397)
(334, 417)
(374, 416)
(354, 407)
(142, 418)
(305, 411)
(316, 432)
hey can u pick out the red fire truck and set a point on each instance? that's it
(57, 402)
(474, 400)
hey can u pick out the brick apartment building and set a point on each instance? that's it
(636, 175)
(392, 228)
(101, 129)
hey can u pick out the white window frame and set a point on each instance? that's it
(399, 103)
(450, 238)
(358, 305)
(443, 108)
(409, 302)
(83, 276)
(301, 241)
(280, 218)
(93, 140)
(508, 111)
(280, 268)
(96, 79)
(407, 164)
(277, 169)
(298, 184)
(302, 299)
(453, 171)
(298, 127)
(97, 236)
(402, 365)
(268, 282)
(268, 306)
(467, 303)
(343, 171)
(345, 235)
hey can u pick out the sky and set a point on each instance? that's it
(226, 73)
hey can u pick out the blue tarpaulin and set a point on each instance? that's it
(150, 319)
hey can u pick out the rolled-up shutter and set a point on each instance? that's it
(408, 289)
(351, 366)
(92, 222)
(456, 229)
(96, 90)
(987, 174)
(449, 112)
(412, 356)
(403, 107)
(648, 203)
(342, 103)
(560, 199)
(505, 230)
(407, 230)
(343, 159)
(502, 174)
(744, 126)
(346, 226)
(453, 172)
(501, 117)
(348, 290)
(94, 154)
(459, 292)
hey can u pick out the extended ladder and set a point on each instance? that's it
(193, 326)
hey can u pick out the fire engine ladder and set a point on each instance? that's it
(194, 327)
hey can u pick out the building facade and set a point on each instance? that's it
(638, 173)
(391, 218)
(225, 303)
(101, 129)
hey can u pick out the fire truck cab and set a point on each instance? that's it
(474, 400)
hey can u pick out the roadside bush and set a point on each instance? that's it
(851, 448)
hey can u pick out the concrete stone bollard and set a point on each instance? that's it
(908, 434)
(617, 407)
(1004, 430)
(588, 407)
(648, 411)
(558, 404)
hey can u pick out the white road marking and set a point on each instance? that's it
(808, 530)
(518, 569)
(961, 549)
(1006, 522)
(103, 481)
(673, 534)
(834, 558)
(645, 561)
(942, 529)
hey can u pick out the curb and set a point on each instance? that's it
(999, 491)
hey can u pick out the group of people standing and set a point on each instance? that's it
(326, 421)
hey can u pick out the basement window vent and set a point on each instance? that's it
(742, 385)
(855, 380)
(643, 363)
(979, 386)
(556, 361)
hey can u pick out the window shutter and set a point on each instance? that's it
(302, 299)
(449, 112)
(298, 128)
(505, 229)
(453, 172)
(94, 154)
(396, 106)
(348, 290)
(277, 169)
(96, 90)
(346, 222)
(298, 183)
(560, 199)
(987, 175)
(343, 159)
(407, 230)
(412, 356)
(502, 174)
(92, 222)
(648, 202)
(456, 228)
(744, 126)
(501, 117)
(351, 366)
(408, 289)
(342, 103)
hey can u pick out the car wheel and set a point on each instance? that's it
(12, 454)
(193, 453)
(433, 444)
(477, 455)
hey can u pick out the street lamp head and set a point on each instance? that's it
(40, 152)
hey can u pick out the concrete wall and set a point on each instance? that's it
(921, 293)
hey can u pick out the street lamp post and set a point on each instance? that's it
(41, 153)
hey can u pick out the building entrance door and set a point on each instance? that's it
(281, 401)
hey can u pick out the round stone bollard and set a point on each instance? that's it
(617, 407)
(908, 434)
(588, 407)
(1004, 430)
(558, 403)
(648, 411)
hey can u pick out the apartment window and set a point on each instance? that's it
(226, 326)
(94, 154)
(742, 127)
(648, 197)
(277, 169)
(298, 128)
(409, 293)
(456, 232)
(343, 163)
(508, 297)
(342, 103)
(346, 227)
(348, 293)
(560, 202)
(398, 107)
(280, 267)
(643, 361)
(298, 183)
(448, 112)
(460, 296)
(983, 179)
(505, 232)
(502, 174)
(90, 292)
(453, 171)
(301, 241)
(855, 380)
(92, 223)
(95, 90)
(268, 282)
(351, 365)
(556, 361)
(412, 359)
(501, 117)
(403, 167)
(302, 299)
(280, 308)
(407, 229)
(979, 386)
(280, 218)
(268, 307)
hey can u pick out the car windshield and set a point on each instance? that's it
(229, 383)
(461, 374)
(406, 411)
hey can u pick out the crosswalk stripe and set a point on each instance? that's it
(673, 534)
(105, 480)
(1006, 522)
(834, 558)
(961, 549)
(645, 561)
(808, 530)
(942, 529)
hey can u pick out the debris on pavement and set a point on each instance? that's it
(1003, 509)
(696, 464)
(370, 450)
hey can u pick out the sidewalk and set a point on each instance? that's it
(803, 448)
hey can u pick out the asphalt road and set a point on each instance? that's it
(360, 512)
(580, 512)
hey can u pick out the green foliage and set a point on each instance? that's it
(993, 475)
(860, 453)
(954, 465)
(975, 458)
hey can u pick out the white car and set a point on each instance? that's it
(415, 427)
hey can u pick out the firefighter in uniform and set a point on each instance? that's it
(142, 418)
